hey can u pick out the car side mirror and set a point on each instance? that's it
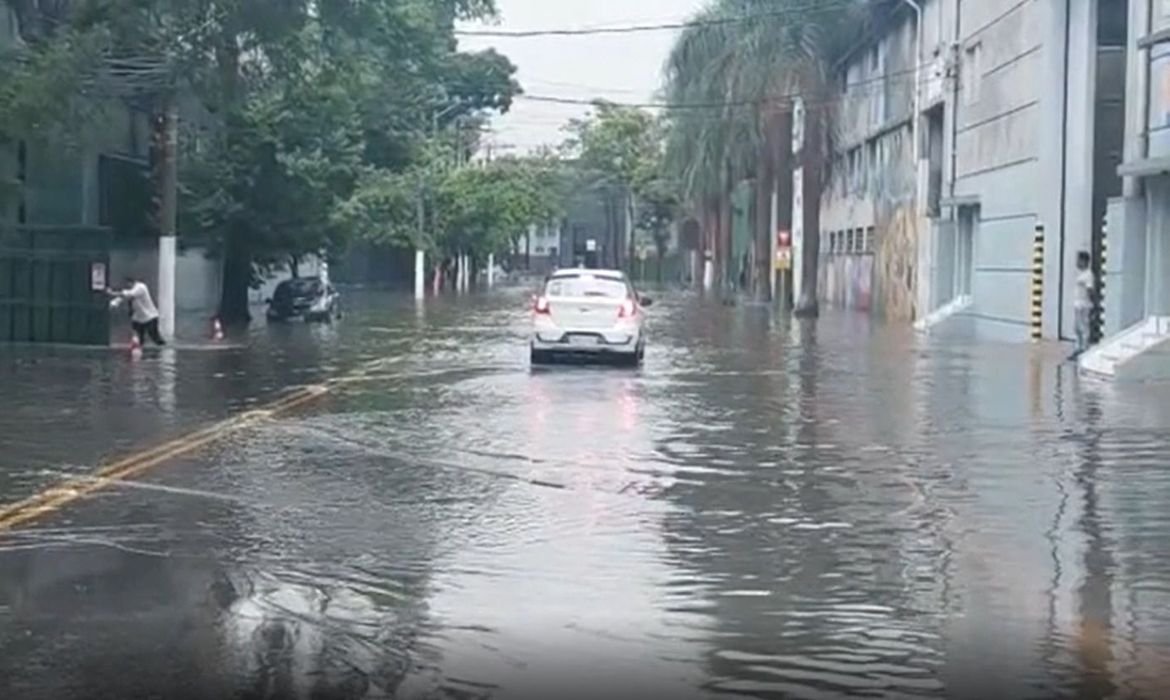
(646, 301)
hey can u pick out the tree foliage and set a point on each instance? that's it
(617, 144)
(473, 209)
(744, 79)
(310, 115)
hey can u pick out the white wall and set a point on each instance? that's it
(197, 279)
(998, 157)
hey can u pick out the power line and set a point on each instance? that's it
(664, 26)
(772, 99)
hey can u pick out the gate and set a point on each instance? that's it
(47, 275)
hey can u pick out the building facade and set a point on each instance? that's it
(1136, 274)
(961, 126)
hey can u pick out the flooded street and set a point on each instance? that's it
(766, 509)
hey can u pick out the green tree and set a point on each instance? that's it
(313, 107)
(659, 211)
(471, 210)
(620, 148)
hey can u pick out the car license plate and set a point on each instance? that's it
(579, 340)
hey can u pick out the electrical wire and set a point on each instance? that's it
(663, 26)
(781, 98)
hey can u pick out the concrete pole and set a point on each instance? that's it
(168, 219)
(419, 274)
(491, 270)
(419, 256)
(167, 261)
(772, 233)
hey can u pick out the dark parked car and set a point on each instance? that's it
(309, 298)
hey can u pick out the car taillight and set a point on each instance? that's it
(541, 305)
(628, 309)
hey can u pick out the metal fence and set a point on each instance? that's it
(51, 282)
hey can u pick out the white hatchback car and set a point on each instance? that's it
(589, 314)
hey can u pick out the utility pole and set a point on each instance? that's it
(168, 153)
(419, 255)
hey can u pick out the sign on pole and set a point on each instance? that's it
(97, 276)
(783, 250)
(591, 245)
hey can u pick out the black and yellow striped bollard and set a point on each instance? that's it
(1099, 327)
(1038, 283)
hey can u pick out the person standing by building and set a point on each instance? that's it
(1083, 302)
(143, 314)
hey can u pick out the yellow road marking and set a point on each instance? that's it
(73, 489)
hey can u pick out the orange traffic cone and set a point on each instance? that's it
(216, 329)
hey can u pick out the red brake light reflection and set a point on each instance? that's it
(628, 309)
(541, 305)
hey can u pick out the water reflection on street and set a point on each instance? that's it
(766, 509)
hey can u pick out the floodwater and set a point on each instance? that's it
(766, 509)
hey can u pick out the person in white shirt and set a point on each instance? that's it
(143, 314)
(1083, 302)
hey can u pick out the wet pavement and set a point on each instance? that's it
(765, 509)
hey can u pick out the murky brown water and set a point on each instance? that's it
(764, 510)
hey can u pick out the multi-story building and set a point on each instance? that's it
(1136, 304)
(961, 126)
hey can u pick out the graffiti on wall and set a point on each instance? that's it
(894, 259)
(846, 281)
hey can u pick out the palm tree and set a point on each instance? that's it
(696, 143)
(754, 70)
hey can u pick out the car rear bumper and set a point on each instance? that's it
(587, 342)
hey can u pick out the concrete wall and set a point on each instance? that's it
(197, 278)
(998, 159)
(846, 280)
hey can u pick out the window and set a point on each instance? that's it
(965, 250)
(869, 242)
(855, 179)
(587, 286)
(934, 155)
(973, 73)
(871, 164)
(1161, 18)
(1159, 89)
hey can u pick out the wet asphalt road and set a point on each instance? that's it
(763, 510)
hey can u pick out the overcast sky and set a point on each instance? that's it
(621, 67)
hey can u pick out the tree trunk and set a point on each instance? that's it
(765, 183)
(724, 273)
(660, 241)
(812, 167)
(716, 240)
(237, 279)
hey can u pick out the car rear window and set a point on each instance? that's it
(587, 286)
